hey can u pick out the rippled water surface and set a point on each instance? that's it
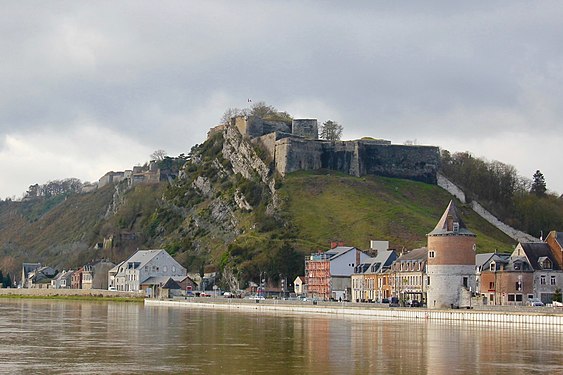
(128, 338)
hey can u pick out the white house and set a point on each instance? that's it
(131, 274)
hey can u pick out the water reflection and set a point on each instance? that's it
(106, 337)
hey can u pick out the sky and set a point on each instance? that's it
(94, 86)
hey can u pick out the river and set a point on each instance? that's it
(67, 337)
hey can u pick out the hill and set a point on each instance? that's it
(328, 207)
(228, 211)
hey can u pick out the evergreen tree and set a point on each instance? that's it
(538, 185)
(557, 295)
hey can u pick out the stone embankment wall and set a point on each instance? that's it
(513, 233)
(68, 292)
(536, 317)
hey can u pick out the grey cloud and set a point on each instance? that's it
(398, 70)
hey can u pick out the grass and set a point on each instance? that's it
(329, 207)
(74, 298)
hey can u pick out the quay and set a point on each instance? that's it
(544, 316)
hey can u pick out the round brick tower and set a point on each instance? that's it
(451, 262)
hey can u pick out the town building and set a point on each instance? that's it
(367, 283)
(26, 269)
(329, 274)
(451, 262)
(547, 274)
(504, 279)
(134, 274)
(63, 280)
(300, 286)
(407, 276)
(39, 277)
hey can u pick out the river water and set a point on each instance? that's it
(128, 338)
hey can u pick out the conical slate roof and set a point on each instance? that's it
(451, 224)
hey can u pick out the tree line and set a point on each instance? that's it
(521, 202)
(6, 281)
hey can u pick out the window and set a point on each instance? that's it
(465, 281)
(518, 285)
(492, 285)
(428, 281)
(518, 298)
(431, 254)
(552, 280)
(542, 279)
(164, 269)
(493, 267)
(511, 298)
(456, 227)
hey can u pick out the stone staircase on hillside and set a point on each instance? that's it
(513, 233)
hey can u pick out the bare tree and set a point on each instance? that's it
(158, 155)
(230, 113)
(331, 131)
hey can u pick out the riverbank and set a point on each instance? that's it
(72, 294)
(549, 317)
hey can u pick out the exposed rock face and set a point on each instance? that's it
(241, 201)
(245, 161)
(116, 202)
(203, 185)
(221, 213)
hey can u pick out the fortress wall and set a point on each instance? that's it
(296, 154)
(418, 163)
(340, 156)
(268, 143)
(358, 158)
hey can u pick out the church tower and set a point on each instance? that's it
(451, 262)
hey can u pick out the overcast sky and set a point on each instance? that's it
(93, 86)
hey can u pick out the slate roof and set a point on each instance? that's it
(442, 229)
(559, 238)
(483, 261)
(377, 264)
(338, 251)
(415, 254)
(163, 280)
(536, 250)
(142, 257)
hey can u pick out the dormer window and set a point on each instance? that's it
(493, 267)
(456, 226)
(546, 264)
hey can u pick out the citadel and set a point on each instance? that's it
(297, 146)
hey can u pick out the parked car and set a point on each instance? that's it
(535, 302)
(415, 303)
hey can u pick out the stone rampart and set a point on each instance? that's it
(358, 158)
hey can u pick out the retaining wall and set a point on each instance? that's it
(535, 318)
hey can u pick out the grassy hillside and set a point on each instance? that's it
(328, 207)
(214, 218)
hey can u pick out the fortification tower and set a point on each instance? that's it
(451, 262)
(306, 128)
